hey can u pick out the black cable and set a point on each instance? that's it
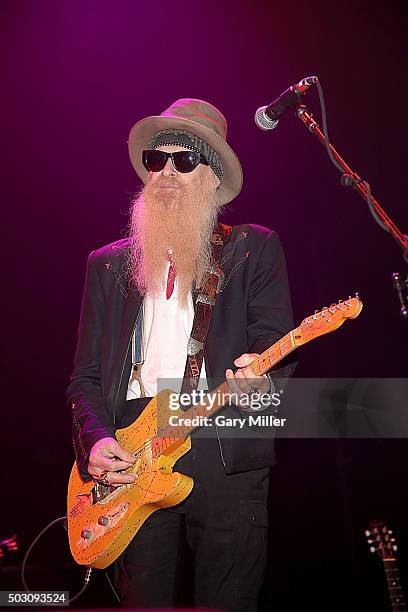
(348, 179)
(325, 129)
(87, 578)
(112, 587)
(371, 204)
(23, 566)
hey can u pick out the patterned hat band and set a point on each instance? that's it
(183, 138)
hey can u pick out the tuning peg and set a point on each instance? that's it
(372, 549)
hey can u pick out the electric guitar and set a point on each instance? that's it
(102, 520)
(382, 542)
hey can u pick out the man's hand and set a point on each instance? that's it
(245, 380)
(107, 455)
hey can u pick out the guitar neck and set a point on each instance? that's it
(262, 364)
(275, 353)
(323, 322)
(394, 585)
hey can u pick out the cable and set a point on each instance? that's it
(87, 578)
(112, 587)
(23, 566)
(325, 129)
(346, 179)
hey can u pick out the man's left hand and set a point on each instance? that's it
(245, 380)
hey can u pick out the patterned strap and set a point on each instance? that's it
(203, 311)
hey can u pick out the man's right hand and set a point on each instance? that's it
(107, 454)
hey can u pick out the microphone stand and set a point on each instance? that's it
(352, 179)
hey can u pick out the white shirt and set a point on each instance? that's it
(166, 330)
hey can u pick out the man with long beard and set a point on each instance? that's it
(139, 309)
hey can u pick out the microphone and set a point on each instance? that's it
(267, 117)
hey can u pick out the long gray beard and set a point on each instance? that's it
(152, 232)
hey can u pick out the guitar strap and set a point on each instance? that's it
(203, 310)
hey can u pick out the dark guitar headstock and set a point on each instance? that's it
(381, 540)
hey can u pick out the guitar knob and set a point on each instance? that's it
(103, 520)
(86, 534)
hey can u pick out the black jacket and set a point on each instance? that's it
(252, 312)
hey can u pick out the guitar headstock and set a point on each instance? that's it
(381, 540)
(327, 320)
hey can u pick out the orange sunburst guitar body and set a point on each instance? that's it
(125, 509)
(102, 520)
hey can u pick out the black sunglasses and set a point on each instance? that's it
(183, 161)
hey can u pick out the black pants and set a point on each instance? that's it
(223, 522)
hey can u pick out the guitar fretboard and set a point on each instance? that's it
(167, 436)
(394, 585)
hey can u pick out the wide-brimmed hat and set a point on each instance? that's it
(203, 120)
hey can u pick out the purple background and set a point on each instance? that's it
(75, 77)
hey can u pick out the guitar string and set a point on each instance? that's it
(139, 451)
(149, 441)
(142, 448)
